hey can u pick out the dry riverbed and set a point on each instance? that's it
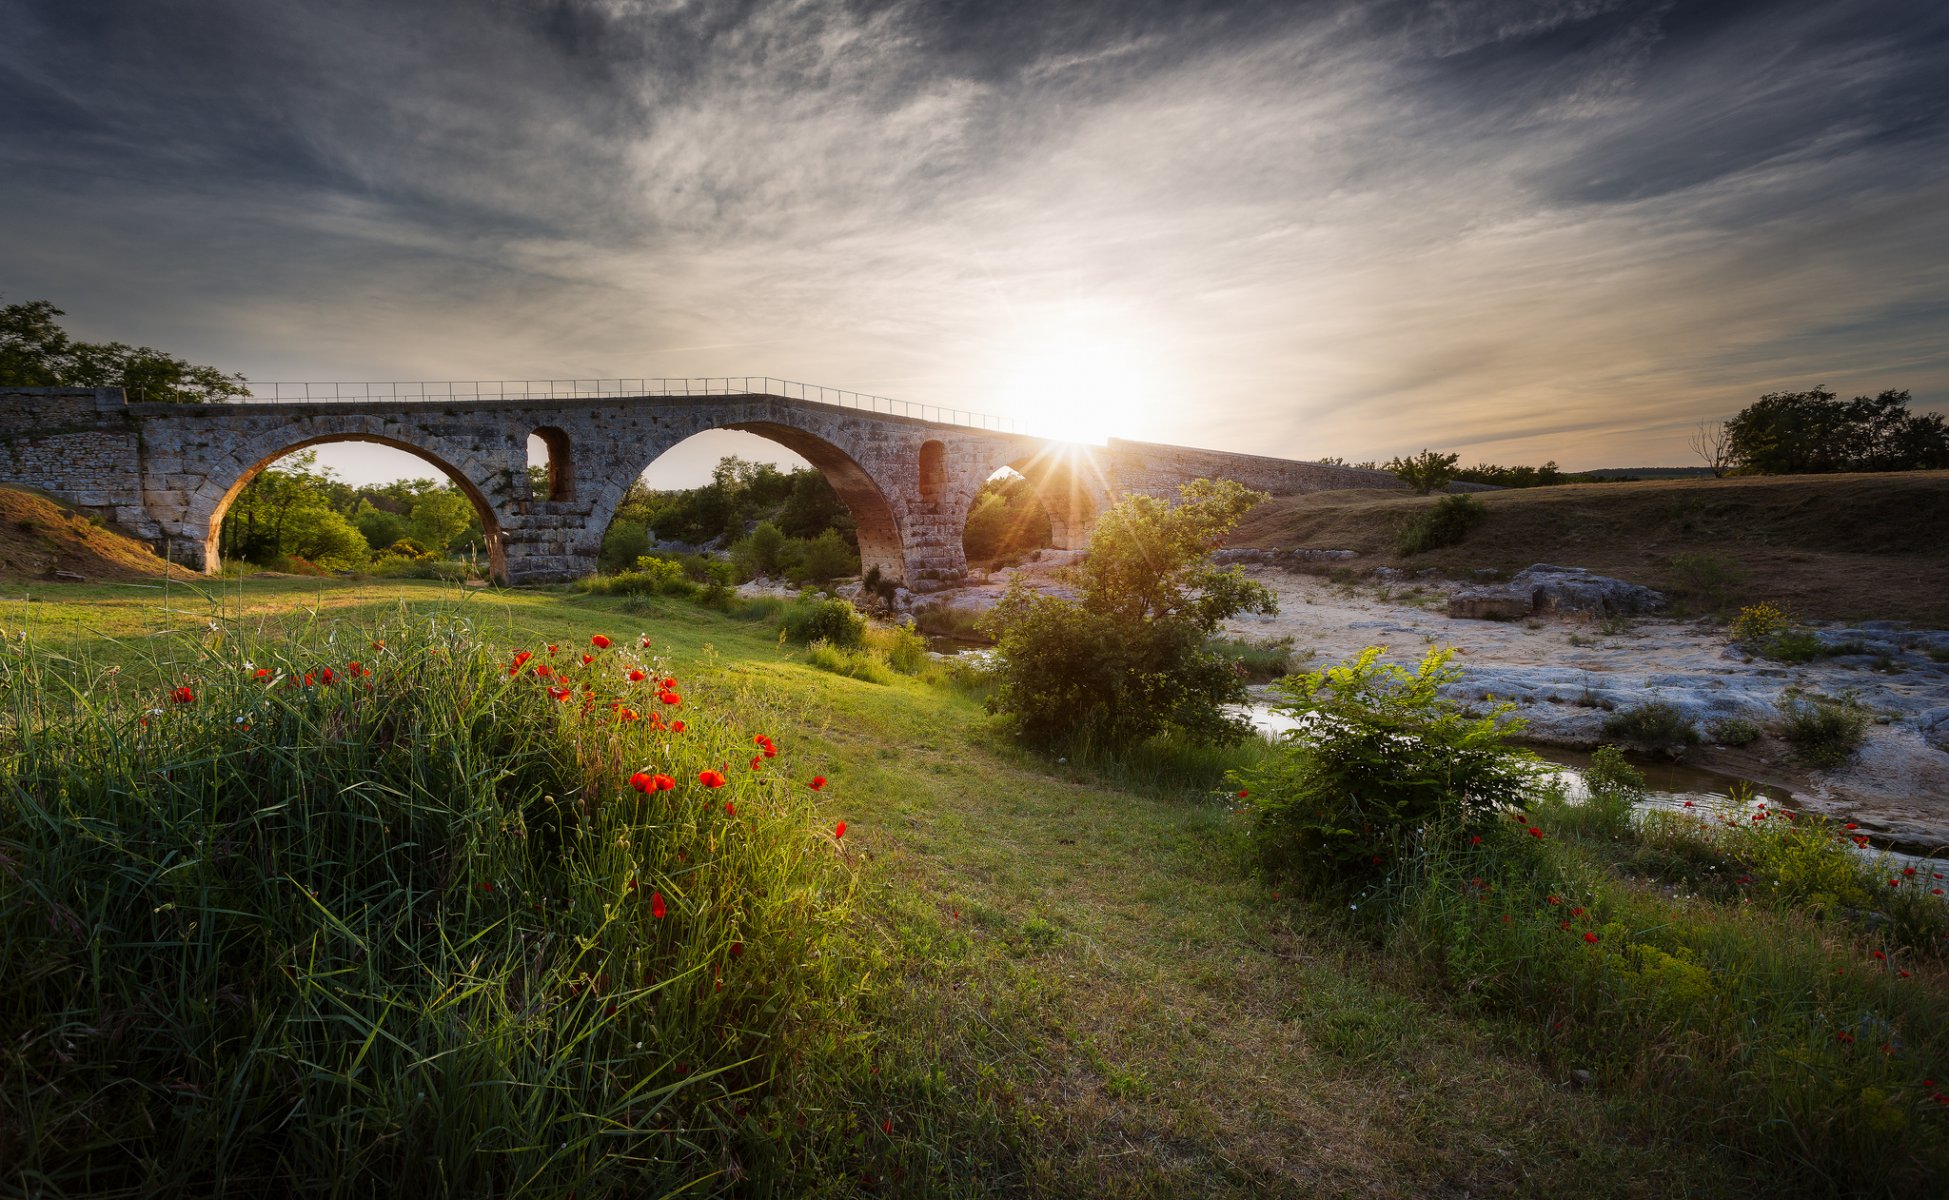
(1569, 674)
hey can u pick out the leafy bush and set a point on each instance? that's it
(1426, 472)
(1793, 646)
(1616, 788)
(1447, 522)
(832, 621)
(1824, 732)
(1733, 731)
(824, 558)
(760, 552)
(1378, 761)
(1129, 658)
(1654, 727)
(904, 648)
(427, 566)
(651, 577)
(1757, 621)
(1258, 661)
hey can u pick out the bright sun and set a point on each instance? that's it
(1080, 390)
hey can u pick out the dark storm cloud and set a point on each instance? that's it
(1344, 227)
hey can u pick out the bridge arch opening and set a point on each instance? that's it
(1071, 492)
(810, 487)
(438, 515)
(1007, 523)
(551, 464)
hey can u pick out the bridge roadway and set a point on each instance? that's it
(167, 473)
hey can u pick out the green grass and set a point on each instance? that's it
(1049, 978)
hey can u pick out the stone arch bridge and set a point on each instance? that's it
(167, 473)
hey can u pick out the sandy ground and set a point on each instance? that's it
(1567, 675)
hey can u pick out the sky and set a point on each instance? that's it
(1515, 229)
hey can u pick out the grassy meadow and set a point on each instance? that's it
(427, 935)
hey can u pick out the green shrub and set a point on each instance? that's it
(1824, 732)
(1733, 731)
(1258, 661)
(760, 552)
(1654, 727)
(1446, 522)
(1129, 658)
(834, 621)
(452, 570)
(1792, 646)
(651, 577)
(1616, 789)
(824, 558)
(905, 650)
(1379, 761)
(865, 664)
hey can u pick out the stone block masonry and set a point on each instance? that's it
(167, 473)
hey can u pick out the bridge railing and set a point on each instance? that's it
(445, 391)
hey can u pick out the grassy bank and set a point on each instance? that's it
(1034, 978)
(1839, 547)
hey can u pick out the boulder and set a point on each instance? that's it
(1501, 603)
(1574, 589)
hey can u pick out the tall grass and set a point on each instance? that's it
(396, 931)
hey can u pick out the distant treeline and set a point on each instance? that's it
(298, 515)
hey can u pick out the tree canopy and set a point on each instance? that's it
(1812, 432)
(36, 352)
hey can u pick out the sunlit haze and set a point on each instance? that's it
(1516, 229)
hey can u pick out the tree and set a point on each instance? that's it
(1131, 656)
(36, 352)
(440, 517)
(1712, 442)
(762, 552)
(1426, 471)
(1811, 432)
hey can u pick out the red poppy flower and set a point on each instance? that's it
(1894, 883)
(262, 673)
(487, 886)
(676, 727)
(587, 659)
(710, 778)
(1590, 937)
(1476, 840)
(839, 831)
(1688, 804)
(599, 642)
(1880, 956)
(355, 669)
(544, 671)
(1242, 793)
(1552, 900)
(645, 642)
(665, 783)
(730, 809)
(1851, 825)
(182, 695)
(560, 693)
(1908, 871)
(552, 649)
(757, 760)
(1535, 832)
(643, 782)
(636, 675)
(669, 697)
(657, 908)
(628, 714)
(818, 782)
(669, 682)
(309, 680)
(326, 675)
(737, 949)
(1577, 911)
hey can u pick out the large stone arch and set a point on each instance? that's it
(210, 501)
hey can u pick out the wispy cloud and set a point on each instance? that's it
(1522, 229)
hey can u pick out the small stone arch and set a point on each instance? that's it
(561, 462)
(490, 522)
(1071, 489)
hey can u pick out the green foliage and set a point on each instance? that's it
(441, 518)
(902, 647)
(834, 621)
(36, 352)
(859, 662)
(1378, 762)
(824, 558)
(1546, 475)
(381, 529)
(1792, 646)
(1733, 731)
(1006, 523)
(625, 541)
(761, 552)
(1654, 727)
(1446, 522)
(1616, 788)
(1130, 657)
(1824, 732)
(651, 577)
(1757, 621)
(1258, 661)
(800, 504)
(1426, 472)
(1792, 433)
(393, 933)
